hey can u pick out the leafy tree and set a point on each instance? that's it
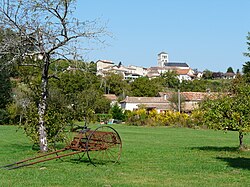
(82, 90)
(5, 83)
(102, 104)
(44, 32)
(144, 87)
(59, 114)
(207, 74)
(22, 97)
(205, 85)
(246, 68)
(91, 67)
(114, 84)
(71, 82)
(229, 112)
(88, 102)
(5, 89)
(170, 79)
(60, 66)
(194, 86)
(230, 70)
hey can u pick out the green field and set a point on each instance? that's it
(151, 156)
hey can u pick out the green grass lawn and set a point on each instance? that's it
(151, 156)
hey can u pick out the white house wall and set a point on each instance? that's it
(129, 106)
(137, 70)
(183, 77)
(101, 65)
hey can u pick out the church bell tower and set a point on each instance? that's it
(162, 59)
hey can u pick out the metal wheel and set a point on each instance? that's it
(104, 145)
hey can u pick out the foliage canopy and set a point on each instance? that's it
(229, 112)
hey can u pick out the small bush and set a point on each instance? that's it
(102, 117)
(117, 112)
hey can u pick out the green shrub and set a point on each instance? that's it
(127, 113)
(117, 112)
(102, 117)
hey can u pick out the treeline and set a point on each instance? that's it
(145, 87)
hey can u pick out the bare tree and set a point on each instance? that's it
(44, 31)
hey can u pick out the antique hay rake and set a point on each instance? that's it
(101, 145)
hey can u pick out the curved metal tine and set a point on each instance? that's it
(15, 167)
(47, 159)
(8, 165)
(32, 158)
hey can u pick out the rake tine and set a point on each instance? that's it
(38, 161)
(6, 166)
(15, 167)
(29, 159)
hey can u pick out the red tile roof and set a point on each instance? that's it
(144, 100)
(181, 71)
(192, 96)
(111, 97)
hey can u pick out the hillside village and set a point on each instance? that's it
(162, 101)
(131, 72)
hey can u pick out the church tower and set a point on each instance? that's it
(162, 59)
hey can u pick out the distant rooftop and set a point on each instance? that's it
(176, 64)
(105, 61)
(111, 97)
(144, 100)
(162, 53)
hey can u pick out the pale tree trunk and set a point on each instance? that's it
(43, 106)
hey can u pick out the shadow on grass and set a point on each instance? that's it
(13, 148)
(240, 163)
(218, 149)
(95, 162)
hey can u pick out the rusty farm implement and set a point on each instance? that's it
(101, 145)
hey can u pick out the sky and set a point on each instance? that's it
(206, 34)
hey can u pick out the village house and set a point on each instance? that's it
(191, 99)
(128, 73)
(101, 65)
(112, 98)
(229, 75)
(163, 101)
(133, 103)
